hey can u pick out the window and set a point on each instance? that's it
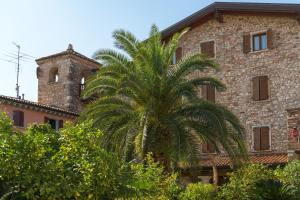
(208, 48)
(177, 56)
(260, 88)
(55, 124)
(81, 85)
(53, 75)
(261, 138)
(18, 118)
(259, 42)
(208, 147)
(208, 93)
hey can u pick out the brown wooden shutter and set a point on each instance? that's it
(246, 43)
(263, 88)
(270, 38)
(18, 118)
(264, 138)
(255, 85)
(208, 48)
(178, 54)
(211, 93)
(21, 119)
(60, 124)
(204, 147)
(256, 138)
(46, 120)
(211, 148)
(204, 92)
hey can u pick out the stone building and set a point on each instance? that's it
(258, 48)
(61, 79)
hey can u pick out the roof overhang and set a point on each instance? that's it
(216, 9)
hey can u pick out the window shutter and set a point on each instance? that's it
(16, 118)
(210, 93)
(263, 88)
(246, 43)
(204, 147)
(256, 140)
(210, 148)
(204, 92)
(270, 38)
(46, 120)
(208, 48)
(21, 119)
(60, 124)
(255, 85)
(264, 138)
(178, 54)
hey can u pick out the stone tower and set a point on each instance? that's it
(61, 78)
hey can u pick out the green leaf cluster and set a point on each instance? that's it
(145, 104)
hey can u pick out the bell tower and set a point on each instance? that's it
(61, 78)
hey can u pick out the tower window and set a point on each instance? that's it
(81, 85)
(53, 76)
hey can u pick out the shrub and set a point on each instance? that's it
(242, 183)
(198, 191)
(290, 176)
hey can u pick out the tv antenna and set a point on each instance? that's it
(15, 58)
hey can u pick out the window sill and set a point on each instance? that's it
(258, 51)
(261, 101)
(261, 151)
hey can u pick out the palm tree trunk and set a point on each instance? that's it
(215, 170)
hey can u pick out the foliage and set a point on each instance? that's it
(273, 189)
(198, 191)
(147, 105)
(70, 164)
(290, 175)
(149, 180)
(242, 183)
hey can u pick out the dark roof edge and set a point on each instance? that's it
(230, 6)
(69, 52)
(8, 99)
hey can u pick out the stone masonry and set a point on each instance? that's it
(69, 67)
(281, 64)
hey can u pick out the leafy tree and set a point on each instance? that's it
(290, 176)
(242, 183)
(70, 164)
(147, 105)
(198, 191)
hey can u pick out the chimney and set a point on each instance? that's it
(23, 96)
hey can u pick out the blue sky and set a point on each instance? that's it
(44, 27)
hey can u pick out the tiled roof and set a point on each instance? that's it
(69, 51)
(34, 105)
(268, 159)
(217, 8)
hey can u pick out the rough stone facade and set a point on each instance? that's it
(281, 64)
(69, 67)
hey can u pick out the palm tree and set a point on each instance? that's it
(147, 105)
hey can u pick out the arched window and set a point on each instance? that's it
(81, 85)
(53, 76)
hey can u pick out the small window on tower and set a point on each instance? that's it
(81, 85)
(53, 76)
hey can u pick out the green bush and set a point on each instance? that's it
(71, 164)
(242, 183)
(198, 191)
(290, 176)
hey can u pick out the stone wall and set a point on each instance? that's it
(66, 92)
(281, 64)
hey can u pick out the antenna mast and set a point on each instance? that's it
(18, 70)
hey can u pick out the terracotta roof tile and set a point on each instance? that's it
(13, 100)
(268, 159)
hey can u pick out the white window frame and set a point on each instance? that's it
(251, 40)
